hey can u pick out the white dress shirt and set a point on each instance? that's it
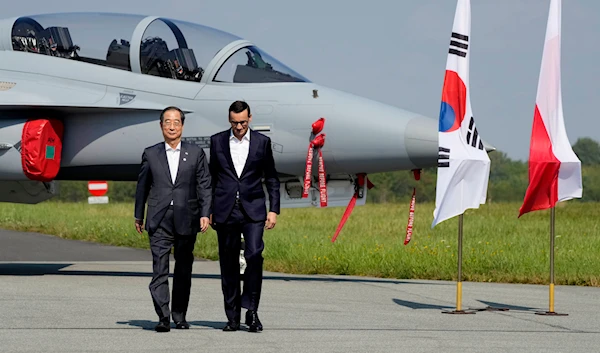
(239, 151)
(173, 159)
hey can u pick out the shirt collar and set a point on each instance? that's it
(177, 148)
(246, 137)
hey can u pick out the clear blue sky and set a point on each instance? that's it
(395, 51)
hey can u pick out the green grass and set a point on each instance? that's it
(497, 246)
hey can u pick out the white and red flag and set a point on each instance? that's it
(554, 169)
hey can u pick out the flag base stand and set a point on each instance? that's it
(458, 312)
(550, 313)
(458, 309)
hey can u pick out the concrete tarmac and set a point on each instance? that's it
(59, 295)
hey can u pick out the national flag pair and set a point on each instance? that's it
(463, 164)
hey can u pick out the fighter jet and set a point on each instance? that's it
(81, 93)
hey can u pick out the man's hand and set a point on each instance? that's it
(204, 221)
(210, 222)
(271, 220)
(139, 226)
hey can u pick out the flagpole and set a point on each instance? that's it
(459, 279)
(551, 311)
(552, 222)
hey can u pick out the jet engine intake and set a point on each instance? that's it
(41, 147)
(30, 149)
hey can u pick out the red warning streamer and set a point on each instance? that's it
(317, 143)
(411, 212)
(411, 219)
(322, 180)
(308, 170)
(351, 204)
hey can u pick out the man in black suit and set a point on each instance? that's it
(239, 159)
(175, 180)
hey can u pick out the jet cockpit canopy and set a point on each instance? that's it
(148, 45)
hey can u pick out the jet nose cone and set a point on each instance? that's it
(390, 139)
(421, 141)
(367, 136)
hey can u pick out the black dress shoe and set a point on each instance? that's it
(182, 325)
(253, 322)
(231, 326)
(163, 326)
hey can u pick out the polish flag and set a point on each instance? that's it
(554, 169)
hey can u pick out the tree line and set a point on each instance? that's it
(508, 181)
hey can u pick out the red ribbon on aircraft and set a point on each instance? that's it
(411, 211)
(317, 143)
(322, 175)
(308, 170)
(351, 204)
(411, 219)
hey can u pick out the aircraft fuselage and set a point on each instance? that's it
(111, 114)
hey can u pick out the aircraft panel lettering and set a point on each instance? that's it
(125, 98)
(204, 142)
(201, 141)
(5, 86)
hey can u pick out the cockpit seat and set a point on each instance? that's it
(182, 64)
(151, 50)
(185, 57)
(118, 54)
(59, 38)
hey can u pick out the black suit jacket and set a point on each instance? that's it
(260, 164)
(191, 193)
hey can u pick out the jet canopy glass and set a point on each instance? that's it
(252, 65)
(101, 39)
(149, 45)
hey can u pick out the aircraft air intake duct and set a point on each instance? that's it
(41, 147)
(25, 166)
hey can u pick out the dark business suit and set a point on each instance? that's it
(247, 214)
(173, 225)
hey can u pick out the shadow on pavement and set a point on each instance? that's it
(149, 325)
(41, 269)
(416, 306)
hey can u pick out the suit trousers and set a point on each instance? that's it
(229, 235)
(161, 243)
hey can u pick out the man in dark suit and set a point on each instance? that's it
(175, 180)
(239, 159)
